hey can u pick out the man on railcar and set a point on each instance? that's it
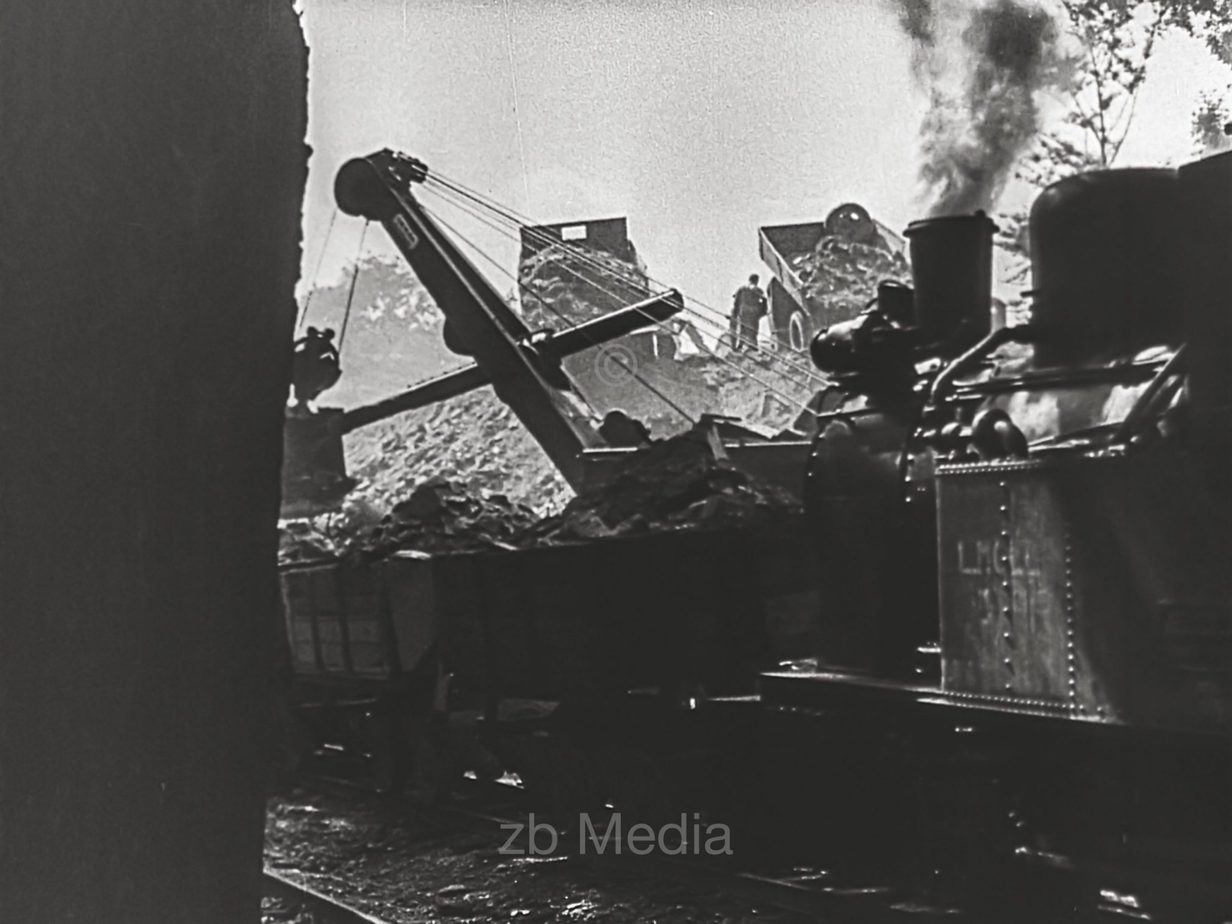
(747, 311)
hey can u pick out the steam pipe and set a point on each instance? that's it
(941, 385)
(1133, 420)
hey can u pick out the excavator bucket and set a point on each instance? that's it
(314, 476)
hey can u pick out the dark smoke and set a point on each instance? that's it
(982, 66)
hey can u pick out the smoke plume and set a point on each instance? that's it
(982, 66)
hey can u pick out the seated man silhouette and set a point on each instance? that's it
(315, 366)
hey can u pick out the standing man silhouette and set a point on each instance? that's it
(748, 308)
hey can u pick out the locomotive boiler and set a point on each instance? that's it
(1022, 534)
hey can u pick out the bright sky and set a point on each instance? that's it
(698, 119)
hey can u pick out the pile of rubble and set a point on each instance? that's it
(843, 274)
(302, 541)
(563, 284)
(443, 516)
(438, 516)
(473, 439)
(679, 483)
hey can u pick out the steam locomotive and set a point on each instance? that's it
(1022, 536)
(1020, 542)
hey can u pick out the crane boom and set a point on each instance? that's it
(478, 321)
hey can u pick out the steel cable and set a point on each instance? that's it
(632, 372)
(790, 399)
(316, 274)
(346, 317)
(523, 222)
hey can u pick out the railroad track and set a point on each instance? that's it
(292, 901)
(805, 895)
(486, 809)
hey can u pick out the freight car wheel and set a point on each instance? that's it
(799, 331)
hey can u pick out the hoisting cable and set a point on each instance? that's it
(788, 398)
(522, 221)
(744, 372)
(470, 288)
(501, 269)
(791, 401)
(766, 360)
(805, 384)
(496, 263)
(346, 317)
(517, 115)
(316, 273)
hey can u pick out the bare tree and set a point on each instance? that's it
(1114, 42)
(1212, 123)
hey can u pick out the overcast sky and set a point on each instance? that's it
(698, 119)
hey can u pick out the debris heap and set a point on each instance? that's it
(443, 516)
(473, 439)
(844, 274)
(679, 483)
(572, 284)
(438, 516)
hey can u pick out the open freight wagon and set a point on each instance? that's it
(822, 271)
(380, 650)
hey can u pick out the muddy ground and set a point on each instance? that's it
(411, 865)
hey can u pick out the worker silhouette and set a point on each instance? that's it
(748, 308)
(315, 366)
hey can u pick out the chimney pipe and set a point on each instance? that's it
(951, 271)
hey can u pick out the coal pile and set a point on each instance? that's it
(473, 439)
(303, 541)
(572, 284)
(678, 483)
(843, 274)
(673, 484)
(439, 516)
(443, 516)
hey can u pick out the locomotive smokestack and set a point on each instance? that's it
(951, 272)
(982, 66)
